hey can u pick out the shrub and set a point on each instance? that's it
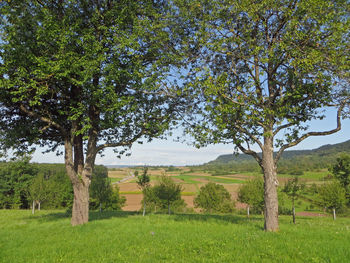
(252, 193)
(332, 196)
(166, 191)
(214, 198)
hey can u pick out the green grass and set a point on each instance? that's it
(190, 179)
(115, 179)
(310, 175)
(129, 237)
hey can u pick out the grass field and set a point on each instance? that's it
(128, 237)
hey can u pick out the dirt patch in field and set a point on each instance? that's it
(188, 200)
(177, 180)
(310, 214)
(127, 187)
(190, 187)
(133, 202)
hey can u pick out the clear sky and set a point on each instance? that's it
(169, 152)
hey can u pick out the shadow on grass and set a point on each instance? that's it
(96, 215)
(93, 215)
(229, 219)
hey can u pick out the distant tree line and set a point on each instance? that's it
(25, 185)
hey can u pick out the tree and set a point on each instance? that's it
(252, 193)
(101, 189)
(143, 182)
(39, 190)
(84, 75)
(15, 178)
(292, 189)
(167, 190)
(332, 196)
(259, 71)
(341, 171)
(213, 198)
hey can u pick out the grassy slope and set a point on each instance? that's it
(125, 237)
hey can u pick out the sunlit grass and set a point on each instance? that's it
(129, 237)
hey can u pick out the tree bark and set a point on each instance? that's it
(270, 186)
(293, 214)
(39, 205)
(248, 213)
(80, 178)
(144, 208)
(33, 207)
(168, 207)
(334, 215)
(80, 211)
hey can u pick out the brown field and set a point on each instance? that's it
(133, 202)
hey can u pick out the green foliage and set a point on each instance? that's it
(258, 68)
(167, 191)
(103, 195)
(332, 196)
(341, 171)
(292, 188)
(15, 179)
(39, 189)
(87, 75)
(252, 193)
(86, 62)
(214, 198)
(143, 180)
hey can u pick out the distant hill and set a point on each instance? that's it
(321, 157)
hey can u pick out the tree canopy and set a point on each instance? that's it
(258, 72)
(85, 75)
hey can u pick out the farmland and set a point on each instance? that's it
(192, 178)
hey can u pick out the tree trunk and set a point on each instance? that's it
(80, 176)
(248, 213)
(100, 207)
(334, 215)
(144, 208)
(168, 207)
(270, 186)
(80, 211)
(293, 214)
(39, 203)
(33, 207)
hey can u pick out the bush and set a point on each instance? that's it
(214, 198)
(252, 193)
(102, 195)
(166, 192)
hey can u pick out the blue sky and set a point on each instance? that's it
(169, 152)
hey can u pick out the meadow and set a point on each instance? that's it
(128, 237)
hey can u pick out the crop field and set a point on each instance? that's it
(192, 179)
(128, 237)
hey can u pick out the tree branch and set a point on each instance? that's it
(118, 144)
(250, 135)
(300, 139)
(279, 128)
(49, 122)
(250, 152)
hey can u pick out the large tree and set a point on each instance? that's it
(259, 71)
(85, 75)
